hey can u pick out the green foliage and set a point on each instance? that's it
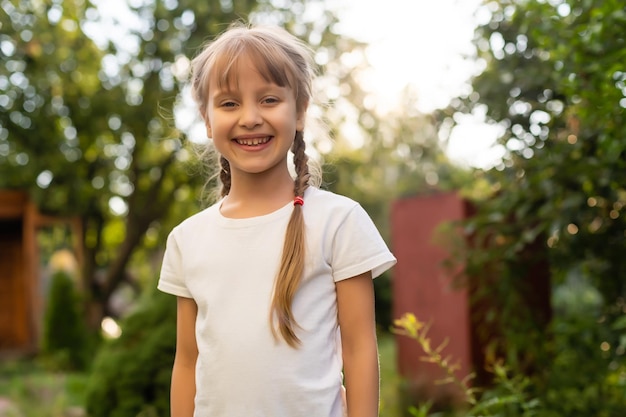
(65, 340)
(554, 81)
(508, 396)
(131, 374)
(87, 121)
(583, 345)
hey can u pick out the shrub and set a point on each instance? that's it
(508, 396)
(131, 375)
(65, 340)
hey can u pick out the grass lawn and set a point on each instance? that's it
(390, 404)
(27, 390)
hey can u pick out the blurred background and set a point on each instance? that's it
(485, 138)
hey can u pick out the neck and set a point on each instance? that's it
(257, 194)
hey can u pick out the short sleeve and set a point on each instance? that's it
(358, 247)
(171, 280)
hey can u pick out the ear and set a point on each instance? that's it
(300, 123)
(301, 117)
(209, 131)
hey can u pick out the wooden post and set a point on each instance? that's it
(16, 322)
(21, 301)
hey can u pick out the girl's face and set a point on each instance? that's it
(252, 121)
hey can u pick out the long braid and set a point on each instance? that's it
(301, 163)
(292, 262)
(224, 176)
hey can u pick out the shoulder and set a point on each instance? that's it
(196, 222)
(330, 211)
(319, 200)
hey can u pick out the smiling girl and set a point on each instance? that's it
(274, 280)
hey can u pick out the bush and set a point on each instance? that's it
(131, 375)
(65, 338)
(508, 396)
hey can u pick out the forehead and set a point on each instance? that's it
(229, 66)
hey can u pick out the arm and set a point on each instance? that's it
(355, 305)
(183, 388)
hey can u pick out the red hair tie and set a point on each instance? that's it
(298, 201)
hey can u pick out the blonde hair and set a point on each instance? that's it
(286, 61)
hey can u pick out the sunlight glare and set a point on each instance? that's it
(110, 328)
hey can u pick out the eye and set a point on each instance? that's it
(270, 100)
(228, 104)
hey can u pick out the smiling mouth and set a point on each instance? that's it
(253, 141)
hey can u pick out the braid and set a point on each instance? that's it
(224, 175)
(301, 162)
(293, 257)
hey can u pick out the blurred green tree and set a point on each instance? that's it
(554, 81)
(83, 126)
(88, 116)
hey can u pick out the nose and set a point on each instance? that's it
(250, 116)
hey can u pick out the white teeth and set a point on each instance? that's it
(253, 142)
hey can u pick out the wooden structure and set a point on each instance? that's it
(423, 286)
(21, 301)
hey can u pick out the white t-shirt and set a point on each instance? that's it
(228, 266)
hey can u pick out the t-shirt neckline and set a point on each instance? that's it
(279, 213)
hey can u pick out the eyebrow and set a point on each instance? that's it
(271, 87)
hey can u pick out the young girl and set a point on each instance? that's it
(274, 281)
